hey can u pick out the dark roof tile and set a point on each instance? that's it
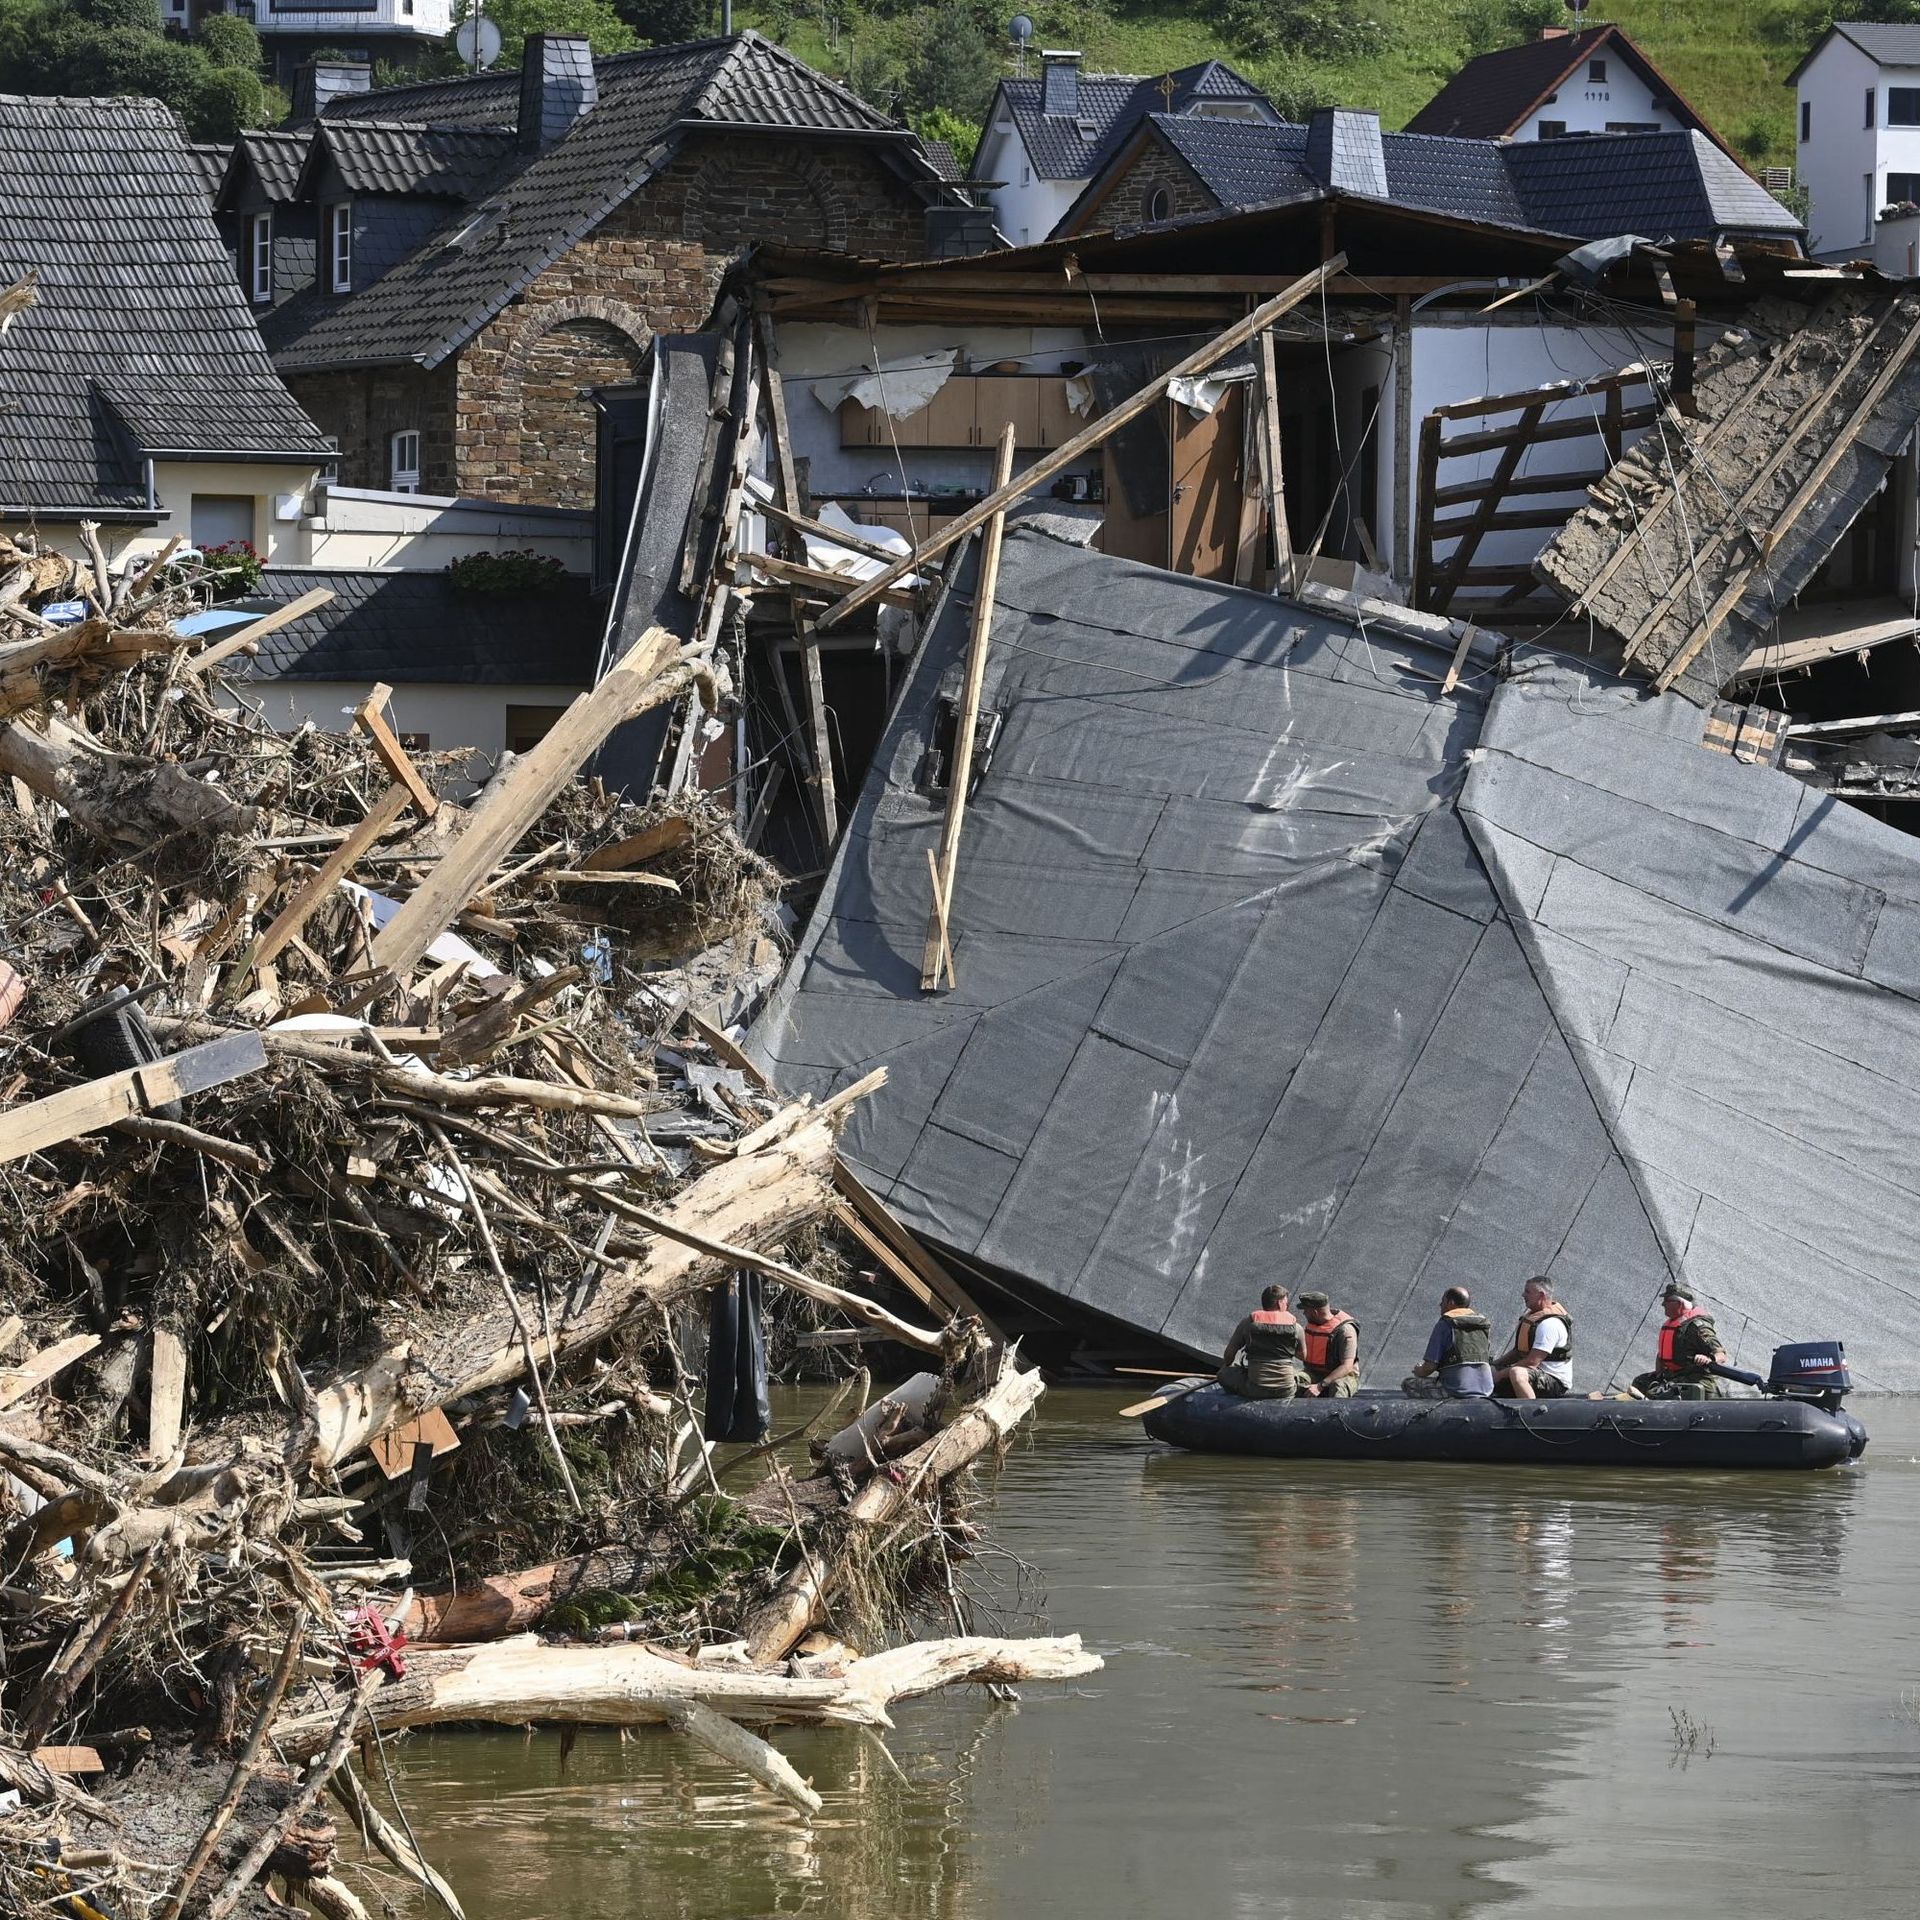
(377, 156)
(141, 340)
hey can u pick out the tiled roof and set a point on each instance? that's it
(1108, 107)
(1893, 43)
(276, 159)
(475, 100)
(943, 160)
(211, 159)
(1660, 185)
(443, 293)
(411, 627)
(378, 156)
(1491, 95)
(140, 339)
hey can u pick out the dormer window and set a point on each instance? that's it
(340, 246)
(404, 464)
(260, 259)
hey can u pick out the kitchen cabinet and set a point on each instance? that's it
(969, 411)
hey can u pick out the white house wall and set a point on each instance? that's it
(1027, 208)
(1844, 163)
(354, 527)
(1590, 106)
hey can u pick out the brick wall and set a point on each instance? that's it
(524, 428)
(1129, 200)
(365, 408)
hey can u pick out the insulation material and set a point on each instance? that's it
(1277, 963)
(898, 388)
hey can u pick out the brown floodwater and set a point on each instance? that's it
(1331, 1690)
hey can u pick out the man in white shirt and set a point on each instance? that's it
(1539, 1364)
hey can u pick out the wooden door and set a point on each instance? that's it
(1204, 522)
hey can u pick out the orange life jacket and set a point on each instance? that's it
(1273, 1345)
(1272, 1317)
(1523, 1333)
(1666, 1363)
(1316, 1339)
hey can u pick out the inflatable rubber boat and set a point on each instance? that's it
(1769, 1431)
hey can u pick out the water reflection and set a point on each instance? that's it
(1344, 1691)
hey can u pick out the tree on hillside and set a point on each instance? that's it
(664, 23)
(957, 68)
(1317, 29)
(597, 19)
(1492, 24)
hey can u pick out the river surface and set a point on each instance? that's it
(1356, 1691)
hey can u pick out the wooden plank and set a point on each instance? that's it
(249, 637)
(1430, 432)
(728, 1050)
(115, 1096)
(1468, 491)
(845, 1217)
(518, 799)
(1872, 723)
(1460, 561)
(664, 836)
(11, 1329)
(1519, 521)
(1275, 465)
(370, 715)
(820, 745)
(779, 428)
(801, 523)
(889, 1227)
(1459, 658)
(1809, 635)
(821, 579)
(166, 1392)
(17, 1382)
(1403, 405)
(328, 875)
(1585, 426)
(393, 1451)
(1838, 445)
(1640, 375)
(937, 950)
(69, 1761)
(1088, 438)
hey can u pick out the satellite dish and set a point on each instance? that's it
(1019, 29)
(1576, 6)
(478, 41)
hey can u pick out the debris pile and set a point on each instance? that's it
(359, 1171)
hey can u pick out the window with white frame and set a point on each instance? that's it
(340, 246)
(260, 259)
(404, 465)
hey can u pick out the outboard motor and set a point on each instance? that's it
(1813, 1370)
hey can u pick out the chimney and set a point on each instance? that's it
(557, 87)
(1060, 83)
(1556, 33)
(1344, 151)
(315, 82)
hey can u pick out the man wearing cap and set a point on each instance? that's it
(1330, 1348)
(1689, 1345)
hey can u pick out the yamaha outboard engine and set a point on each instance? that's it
(1813, 1370)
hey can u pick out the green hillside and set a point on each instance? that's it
(1729, 57)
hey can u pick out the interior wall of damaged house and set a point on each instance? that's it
(767, 945)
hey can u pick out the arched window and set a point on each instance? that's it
(1159, 204)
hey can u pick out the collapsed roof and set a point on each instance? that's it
(1278, 959)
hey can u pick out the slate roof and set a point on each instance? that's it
(1278, 961)
(276, 160)
(411, 627)
(1662, 185)
(944, 161)
(1893, 43)
(445, 291)
(211, 159)
(1109, 107)
(141, 340)
(473, 100)
(379, 156)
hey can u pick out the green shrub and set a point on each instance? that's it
(516, 570)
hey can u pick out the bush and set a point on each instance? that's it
(232, 569)
(227, 101)
(515, 570)
(229, 41)
(1317, 29)
(1492, 24)
(139, 15)
(941, 123)
(660, 23)
(597, 19)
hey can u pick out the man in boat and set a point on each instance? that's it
(1689, 1344)
(1330, 1347)
(1262, 1360)
(1459, 1355)
(1539, 1363)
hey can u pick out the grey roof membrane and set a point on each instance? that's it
(1265, 974)
(141, 340)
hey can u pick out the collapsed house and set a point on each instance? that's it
(1313, 942)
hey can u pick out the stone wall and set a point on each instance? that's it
(1129, 198)
(363, 408)
(524, 426)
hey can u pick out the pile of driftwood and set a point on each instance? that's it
(361, 1157)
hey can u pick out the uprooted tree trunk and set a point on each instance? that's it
(520, 1681)
(509, 1603)
(114, 796)
(754, 1201)
(804, 1601)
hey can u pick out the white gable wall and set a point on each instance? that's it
(1622, 101)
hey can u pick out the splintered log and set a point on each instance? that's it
(509, 1603)
(755, 1201)
(520, 1681)
(803, 1602)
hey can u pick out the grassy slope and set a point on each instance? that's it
(1729, 57)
